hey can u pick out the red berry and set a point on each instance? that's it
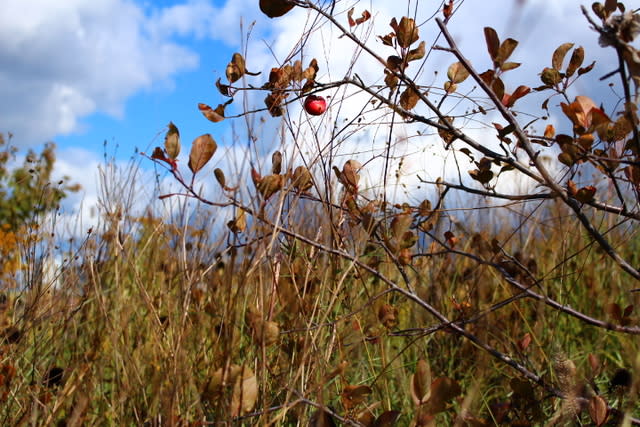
(315, 105)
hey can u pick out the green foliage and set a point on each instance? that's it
(26, 191)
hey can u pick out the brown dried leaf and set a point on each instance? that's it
(387, 418)
(420, 383)
(274, 101)
(409, 98)
(417, 53)
(275, 8)
(550, 76)
(394, 63)
(558, 55)
(202, 149)
(456, 73)
(598, 410)
(577, 57)
(388, 316)
(450, 87)
(354, 395)
(219, 174)
(301, 179)
(447, 10)
(549, 131)
(276, 163)
(239, 224)
(245, 392)
(172, 141)
(506, 66)
(493, 42)
(406, 31)
(236, 68)
(595, 365)
(498, 87)
(363, 18)
(447, 136)
(388, 39)
(391, 80)
(224, 90)
(443, 390)
(270, 185)
(505, 50)
(310, 72)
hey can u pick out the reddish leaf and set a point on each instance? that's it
(598, 410)
(447, 10)
(215, 115)
(493, 42)
(523, 344)
(363, 18)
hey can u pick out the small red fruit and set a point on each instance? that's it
(315, 105)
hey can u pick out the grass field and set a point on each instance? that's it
(182, 322)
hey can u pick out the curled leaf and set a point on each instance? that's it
(239, 224)
(236, 68)
(417, 53)
(406, 31)
(172, 141)
(559, 54)
(269, 185)
(215, 115)
(301, 179)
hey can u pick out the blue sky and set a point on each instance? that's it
(79, 72)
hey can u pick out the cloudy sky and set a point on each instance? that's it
(81, 72)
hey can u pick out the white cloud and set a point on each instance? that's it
(61, 61)
(540, 26)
